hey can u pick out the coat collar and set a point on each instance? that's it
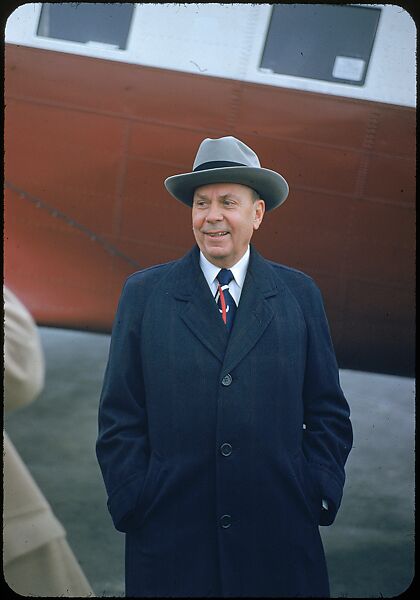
(199, 311)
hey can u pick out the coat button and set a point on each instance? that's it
(227, 379)
(226, 521)
(226, 449)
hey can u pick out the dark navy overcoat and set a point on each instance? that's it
(217, 450)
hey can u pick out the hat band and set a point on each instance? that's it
(216, 164)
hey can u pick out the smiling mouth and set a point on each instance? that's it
(216, 234)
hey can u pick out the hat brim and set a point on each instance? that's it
(271, 186)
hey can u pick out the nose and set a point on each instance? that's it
(214, 213)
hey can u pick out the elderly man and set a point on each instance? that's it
(223, 430)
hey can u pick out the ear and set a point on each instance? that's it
(259, 210)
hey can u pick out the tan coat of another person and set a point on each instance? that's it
(37, 560)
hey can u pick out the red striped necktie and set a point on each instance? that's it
(225, 302)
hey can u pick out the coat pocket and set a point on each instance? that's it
(309, 486)
(149, 488)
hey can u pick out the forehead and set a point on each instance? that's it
(223, 189)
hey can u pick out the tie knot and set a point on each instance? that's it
(224, 276)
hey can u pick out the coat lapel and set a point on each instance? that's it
(197, 307)
(199, 311)
(254, 312)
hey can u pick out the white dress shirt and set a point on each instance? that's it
(210, 272)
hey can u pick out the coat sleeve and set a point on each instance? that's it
(122, 446)
(24, 364)
(328, 437)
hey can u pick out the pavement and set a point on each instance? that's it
(369, 548)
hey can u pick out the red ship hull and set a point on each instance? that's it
(89, 143)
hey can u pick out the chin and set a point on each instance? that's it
(216, 251)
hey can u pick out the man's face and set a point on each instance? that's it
(224, 217)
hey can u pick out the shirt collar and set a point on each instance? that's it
(210, 271)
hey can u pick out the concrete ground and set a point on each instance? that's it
(370, 547)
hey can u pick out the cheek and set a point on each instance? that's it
(196, 221)
(246, 230)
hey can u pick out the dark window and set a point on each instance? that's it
(88, 22)
(321, 41)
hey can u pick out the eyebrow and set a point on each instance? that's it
(229, 195)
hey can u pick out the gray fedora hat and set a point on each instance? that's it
(228, 160)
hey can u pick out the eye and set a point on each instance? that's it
(200, 203)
